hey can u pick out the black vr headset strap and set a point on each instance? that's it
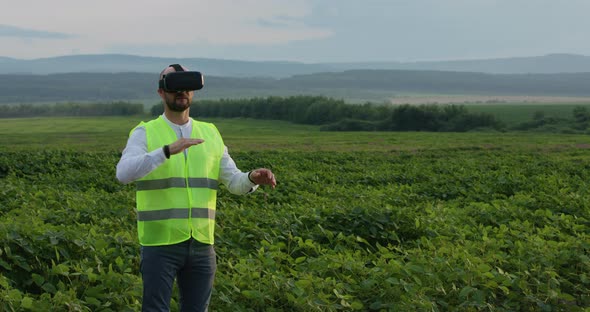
(176, 67)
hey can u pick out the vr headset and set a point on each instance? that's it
(181, 80)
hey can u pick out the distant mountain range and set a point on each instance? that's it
(366, 84)
(112, 77)
(118, 63)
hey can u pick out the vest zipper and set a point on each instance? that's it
(188, 190)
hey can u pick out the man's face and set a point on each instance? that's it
(177, 101)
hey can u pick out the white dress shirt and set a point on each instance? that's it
(136, 162)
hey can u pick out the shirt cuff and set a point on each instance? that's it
(253, 186)
(250, 179)
(253, 189)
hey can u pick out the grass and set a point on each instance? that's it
(110, 133)
(515, 113)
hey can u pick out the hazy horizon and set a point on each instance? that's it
(307, 31)
(278, 61)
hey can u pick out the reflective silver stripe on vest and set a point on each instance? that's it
(203, 213)
(175, 213)
(146, 185)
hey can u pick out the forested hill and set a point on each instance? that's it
(118, 63)
(572, 84)
(133, 86)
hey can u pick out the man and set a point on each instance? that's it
(177, 163)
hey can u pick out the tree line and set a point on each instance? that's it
(328, 113)
(579, 123)
(72, 109)
(336, 115)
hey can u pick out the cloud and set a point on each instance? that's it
(280, 21)
(310, 30)
(176, 28)
(114, 22)
(13, 31)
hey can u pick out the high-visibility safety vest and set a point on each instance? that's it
(177, 200)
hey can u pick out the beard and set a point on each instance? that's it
(178, 104)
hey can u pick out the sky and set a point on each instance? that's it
(309, 31)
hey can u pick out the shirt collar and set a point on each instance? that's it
(188, 124)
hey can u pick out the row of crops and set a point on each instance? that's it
(438, 230)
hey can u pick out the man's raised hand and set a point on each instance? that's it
(182, 144)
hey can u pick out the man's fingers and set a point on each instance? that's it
(191, 142)
(264, 176)
(273, 181)
(183, 144)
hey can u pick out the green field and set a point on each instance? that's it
(515, 113)
(363, 221)
(110, 133)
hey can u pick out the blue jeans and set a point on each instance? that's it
(192, 263)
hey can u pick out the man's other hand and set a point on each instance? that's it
(263, 176)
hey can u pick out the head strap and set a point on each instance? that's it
(177, 67)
